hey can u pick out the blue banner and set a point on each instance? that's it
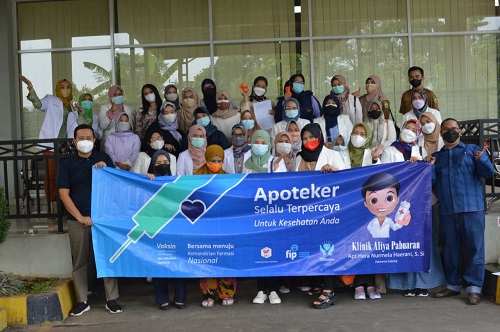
(366, 220)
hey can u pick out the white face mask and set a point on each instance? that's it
(158, 145)
(283, 148)
(259, 91)
(150, 97)
(418, 103)
(171, 96)
(357, 141)
(85, 146)
(169, 118)
(123, 126)
(408, 136)
(428, 128)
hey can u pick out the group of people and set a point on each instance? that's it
(186, 135)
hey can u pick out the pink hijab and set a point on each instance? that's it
(111, 94)
(198, 155)
(377, 94)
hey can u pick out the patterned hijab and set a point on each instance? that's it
(111, 94)
(419, 112)
(377, 125)
(342, 97)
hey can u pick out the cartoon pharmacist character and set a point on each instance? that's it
(380, 193)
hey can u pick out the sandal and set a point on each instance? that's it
(316, 291)
(208, 303)
(228, 301)
(328, 300)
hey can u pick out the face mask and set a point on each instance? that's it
(86, 105)
(292, 114)
(169, 118)
(214, 168)
(65, 92)
(283, 148)
(260, 149)
(312, 145)
(150, 97)
(330, 109)
(123, 126)
(189, 102)
(375, 114)
(209, 92)
(415, 83)
(259, 91)
(428, 128)
(418, 103)
(223, 104)
(238, 141)
(249, 124)
(84, 146)
(163, 169)
(338, 90)
(339, 148)
(298, 87)
(222, 101)
(171, 96)
(118, 100)
(408, 136)
(158, 145)
(197, 142)
(357, 141)
(204, 121)
(371, 87)
(451, 136)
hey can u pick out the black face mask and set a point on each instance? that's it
(414, 83)
(450, 136)
(163, 169)
(330, 110)
(375, 114)
(210, 92)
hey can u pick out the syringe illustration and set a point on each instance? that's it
(191, 196)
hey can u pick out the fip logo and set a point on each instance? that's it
(292, 252)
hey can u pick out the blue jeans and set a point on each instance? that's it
(161, 290)
(465, 229)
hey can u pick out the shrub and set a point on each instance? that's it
(9, 284)
(4, 212)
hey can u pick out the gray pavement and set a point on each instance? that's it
(392, 313)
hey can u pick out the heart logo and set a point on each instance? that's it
(192, 209)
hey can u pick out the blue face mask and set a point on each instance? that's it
(204, 121)
(260, 149)
(118, 100)
(87, 105)
(339, 148)
(338, 90)
(197, 142)
(249, 124)
(292, 114)
(298, 87)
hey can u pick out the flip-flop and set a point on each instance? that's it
(227, 301)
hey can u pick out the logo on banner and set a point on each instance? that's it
(266, 252)
(326, 248)
(292, 252)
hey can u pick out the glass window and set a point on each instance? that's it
(235, 19)
(275, 61)
(444, 16)
(55, 21)
(160, 21)
(344, 18)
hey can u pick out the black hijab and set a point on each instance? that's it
(209, 99)
(307, 154)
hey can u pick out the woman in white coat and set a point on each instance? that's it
(291, 111)
(359, 147)
(225, 117)
(431, 139)
(351, 105)
(109, 111)
(383, 130)
(193, 158)
(259, 158)
(420, 105)
(153, 142)
(333, 123)
(406, 147)
(234, 156)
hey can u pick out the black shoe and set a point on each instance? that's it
(113, 307)
(422, 292)
(409, 293)
(79, 309)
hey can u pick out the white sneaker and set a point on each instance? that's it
(359, 293)
(373, 294)
(260, 298)
(284, 290)
(274, 298)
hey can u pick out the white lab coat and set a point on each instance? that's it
(389, 135)
(270, 169)
(367, 159)
(142, 162)
(410, 115)
(54, 112)
(281, 126)
(72, 123)
(424, 151)
(225, 125)
(344, 126)
(392, 155)
(353, 109)
(326, 156)
(382, 231)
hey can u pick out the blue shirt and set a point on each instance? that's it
(456, 176)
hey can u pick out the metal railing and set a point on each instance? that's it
(485, 133)
(23, 165)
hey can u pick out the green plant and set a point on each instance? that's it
(9, 284)
(38, 285)
(4, 212)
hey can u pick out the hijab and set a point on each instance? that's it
(297, 145)
(259, 163)
(239, 151)
(289, 158)
(111, 94)
(210, 128)
(87, 116)
(224, 114)
(306, 154)
(355, 153)
(419, 112)
(170, 127)
(65, 100)
(331, 119)
(212, 151)
(253, 96)
(175, 102)
(210, 100)
(431, 141)
(402, 146)
(377, 93)
(287, 119)
(197, 155)
(377, 125)
(152, 164)
(185, 114)
(342, 97)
